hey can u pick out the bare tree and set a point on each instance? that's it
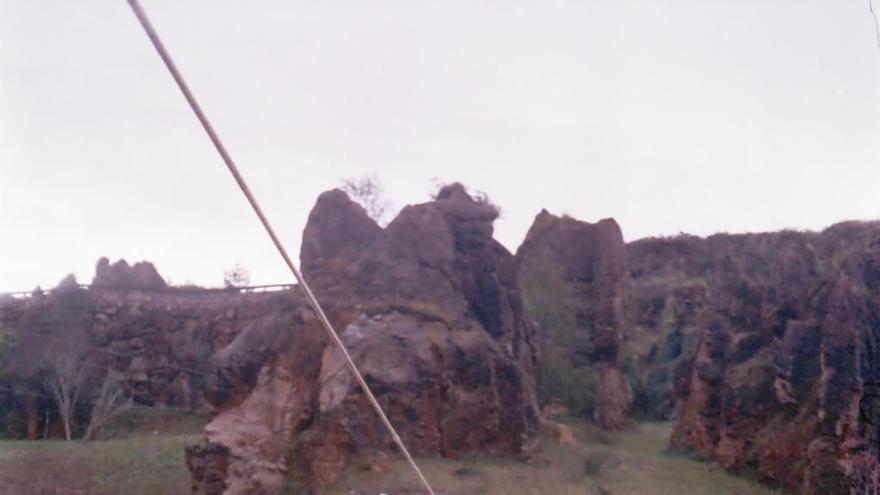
(237, 276)
(369, 193)
(110, 403)
(65, 377)
(435, 186)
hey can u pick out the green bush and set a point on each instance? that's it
(551, 300)
(468, 465)
(572, 386)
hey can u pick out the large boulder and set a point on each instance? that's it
(428, 307)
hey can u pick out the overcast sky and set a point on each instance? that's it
(736, 115)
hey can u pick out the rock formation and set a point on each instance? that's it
(764, 348)
(120, 275)
(581, 268)
(429, 308)
(160, 342)
(778, 347)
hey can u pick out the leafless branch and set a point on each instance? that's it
(65, 377)
(369, 193)
(110, 403)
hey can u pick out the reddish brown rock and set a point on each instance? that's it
(120, 275)
(785, 350)
(161, 343)
(209, 465)
(588, 263)
(429, 308)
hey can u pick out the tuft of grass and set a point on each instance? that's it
(294, 487)
(689, 454)
(593, 462)
(468, 465)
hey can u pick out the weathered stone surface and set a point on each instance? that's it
(448, 391)
(120, 275)
(209, 465)
(162, 343)
(591, 260)
(429, 308)
(780, 338)
(438, 258)
(762, 347)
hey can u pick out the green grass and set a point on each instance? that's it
(632, 463)
(134, 466)
(141, 454)
(151, 461)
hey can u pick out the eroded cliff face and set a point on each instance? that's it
(576, 282)
(160, 341)
(429, 308)
(120, 275)
(764, 348)
(774, 339)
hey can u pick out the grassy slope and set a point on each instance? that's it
(151, 462)
(132, 466)
(634, 463)
(142, 454)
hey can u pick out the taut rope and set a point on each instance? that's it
(194, 105)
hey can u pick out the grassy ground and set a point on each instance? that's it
(148, 459)
(632, 463)
(142, 454)
(132, 466)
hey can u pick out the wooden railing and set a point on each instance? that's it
(250, 289)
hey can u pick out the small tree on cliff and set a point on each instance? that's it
(369, 192)
(237, 276)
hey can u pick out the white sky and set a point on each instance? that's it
(736, 115)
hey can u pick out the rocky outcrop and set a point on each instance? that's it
(436, 258)
(777, 336)
(764, 348)
(263, 388)
(120, 275)
(161, 343)
(449, 390)
(579, 270)
(429, 308)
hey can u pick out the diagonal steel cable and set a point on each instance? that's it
(876, 23)
(233, 169)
